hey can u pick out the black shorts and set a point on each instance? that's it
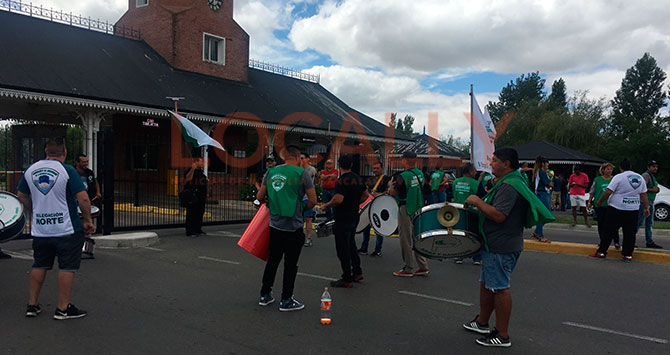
(66, 248)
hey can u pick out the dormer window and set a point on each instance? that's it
(214, 49)
(141, 3)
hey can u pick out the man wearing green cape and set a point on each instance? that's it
(505, 210)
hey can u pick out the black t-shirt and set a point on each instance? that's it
(88, 178)
(506, 237)
(383, 185)
(351, 186)
(199, 182)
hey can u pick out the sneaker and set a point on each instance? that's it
(403, 273)
(358, 278)
(266, 299)
(290, 304)
(477, 262)
(617, 246)
(627, 259)
(494, 339)
(597, 255)
(362, 252)
(476, 327)
(202, 232)
(308, 243)
(33, 311)
(70, 312)
(654, 246)
(341, 283)
(421, 272)
(458, 261)
(376, 253)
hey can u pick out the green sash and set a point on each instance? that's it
(652, 195)
(413, 179)
(283, 186)
(464, 187)
(436, 180)
(537, 212)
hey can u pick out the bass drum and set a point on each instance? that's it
(12, 220)
(364, 215)
(433, 240)
(384, 215)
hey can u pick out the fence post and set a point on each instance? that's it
(108, 181)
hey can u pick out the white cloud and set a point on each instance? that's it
(506, 36)
(376, 93)
(104, 10)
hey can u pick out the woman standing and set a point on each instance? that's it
(543, 187)
(597, 189)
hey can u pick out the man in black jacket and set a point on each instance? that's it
(196, 181)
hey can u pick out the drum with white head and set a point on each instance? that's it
(12, 220)
(364, 215)
(384, 215)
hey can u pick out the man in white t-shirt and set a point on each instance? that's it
(624, 194)
(50, 191)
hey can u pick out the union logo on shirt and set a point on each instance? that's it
(634, 181)
(44, 179)
(278, 182)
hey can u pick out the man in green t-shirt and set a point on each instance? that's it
(284, 186)
(406, 186)
(463, 187)
(438, 180)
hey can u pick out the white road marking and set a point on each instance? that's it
(19, 255)
(317, 276)
(154, 249)
(437, 298)
(642, 337)
(227, 234)
(219, 260)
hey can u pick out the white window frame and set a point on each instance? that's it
(141, 3)
(221, 48)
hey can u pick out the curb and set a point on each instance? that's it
(594, 228)
(640, 254)
(127, 240)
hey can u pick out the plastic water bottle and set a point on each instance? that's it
(326, 303)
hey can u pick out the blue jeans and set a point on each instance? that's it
(327, 196)
(564, 201)
(366, 241)
(497, 269)
(545, 197)
(439, 196)
(648, 222)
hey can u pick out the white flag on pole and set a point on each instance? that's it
(193, 134)
(483, 140)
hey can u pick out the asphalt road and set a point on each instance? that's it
(199, 296)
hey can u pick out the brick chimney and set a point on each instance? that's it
(195, 35)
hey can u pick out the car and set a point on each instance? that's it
(662, 204)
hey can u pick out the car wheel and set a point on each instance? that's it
(662, 212)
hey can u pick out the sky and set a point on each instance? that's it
(421, 56)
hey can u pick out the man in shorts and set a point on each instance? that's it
(504, 210)
(51, 190)
(577, 183)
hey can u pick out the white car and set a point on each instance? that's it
(662, 204)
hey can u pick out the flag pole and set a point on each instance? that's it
(472, 141)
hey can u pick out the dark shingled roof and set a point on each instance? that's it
(420, 147)
(555, 153)
(53, 58)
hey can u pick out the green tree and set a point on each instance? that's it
(635, 128)
(637, 103)
(527, 88)
(558, 99)
(408, 121)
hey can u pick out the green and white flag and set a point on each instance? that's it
(193, 134)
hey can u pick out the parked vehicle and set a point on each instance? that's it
(662, 204)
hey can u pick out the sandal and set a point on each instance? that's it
(540, 239)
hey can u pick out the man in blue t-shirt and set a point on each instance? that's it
(51, 191)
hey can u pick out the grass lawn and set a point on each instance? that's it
(580, 220)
